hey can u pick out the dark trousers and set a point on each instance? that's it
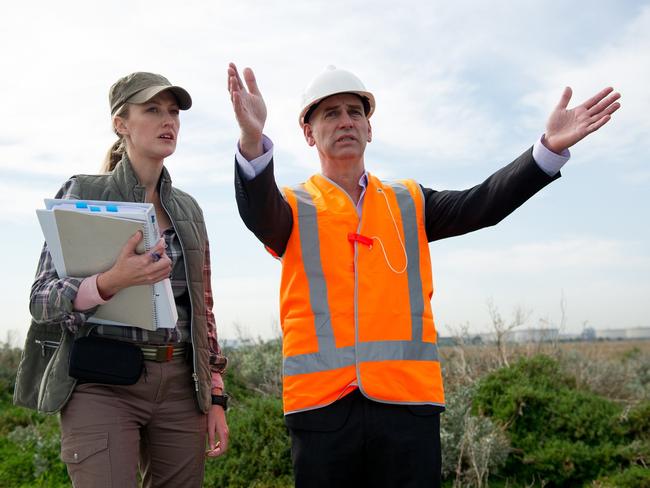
(358, 443)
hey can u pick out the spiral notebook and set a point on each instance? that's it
(83, 242)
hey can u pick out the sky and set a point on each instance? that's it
(462, 88)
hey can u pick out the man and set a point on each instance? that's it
(362, 386)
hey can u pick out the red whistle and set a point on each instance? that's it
(366, 241)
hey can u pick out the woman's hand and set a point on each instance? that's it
(217, 432)
(131, 268)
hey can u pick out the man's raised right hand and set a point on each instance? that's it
(250, 111)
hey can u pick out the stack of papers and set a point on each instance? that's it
(86, 237)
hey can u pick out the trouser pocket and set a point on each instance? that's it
(87, 458)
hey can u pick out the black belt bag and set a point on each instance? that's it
(107, 361)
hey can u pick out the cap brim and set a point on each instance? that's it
(183, 98)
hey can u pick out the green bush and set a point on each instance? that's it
(259, 450)
(634, 477)
(30, 450)
(9, 359)
(559, 434)
(637, 421)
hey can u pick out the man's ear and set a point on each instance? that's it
(309, 134)
(369, 132)
(120, 125)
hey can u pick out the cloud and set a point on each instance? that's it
(623, 63)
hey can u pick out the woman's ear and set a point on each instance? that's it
(119, 124)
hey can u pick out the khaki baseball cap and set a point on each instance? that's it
(140, 86)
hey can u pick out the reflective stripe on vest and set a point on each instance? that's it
(330, 357)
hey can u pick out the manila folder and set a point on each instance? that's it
(90, 244)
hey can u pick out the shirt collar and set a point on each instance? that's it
(363, 181)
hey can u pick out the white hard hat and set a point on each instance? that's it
(330, 82)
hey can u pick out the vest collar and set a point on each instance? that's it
(128, 185)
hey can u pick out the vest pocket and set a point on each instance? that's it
(426, 410)
(41, 344)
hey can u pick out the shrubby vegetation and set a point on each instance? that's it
(575, 415)
(259, 451)
(558, 433)
(472, 445)
(29, 442)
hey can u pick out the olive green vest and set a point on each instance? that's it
(42, 381)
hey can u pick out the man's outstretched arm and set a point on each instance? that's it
(260, 203)
(451, 213)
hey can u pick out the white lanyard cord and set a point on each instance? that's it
(399, 238)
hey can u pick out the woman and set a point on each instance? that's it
(160, 422)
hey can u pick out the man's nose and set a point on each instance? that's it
(345, 120)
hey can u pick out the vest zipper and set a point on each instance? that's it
(356, 307)
(356, 279)
(47, 344)
(195, 376)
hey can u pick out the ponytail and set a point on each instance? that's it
(113, 156)
(116, 151)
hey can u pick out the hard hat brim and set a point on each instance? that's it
(363, 94)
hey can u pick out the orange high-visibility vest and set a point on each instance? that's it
(346, 316)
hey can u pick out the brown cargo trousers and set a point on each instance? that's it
(108, 430)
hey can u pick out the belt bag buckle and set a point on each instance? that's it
(164, 353)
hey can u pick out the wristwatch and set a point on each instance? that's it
(220, 400)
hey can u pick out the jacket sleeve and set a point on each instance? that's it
(263, 209)
(51, 298)
(451, 213)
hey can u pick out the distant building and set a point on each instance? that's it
(638, 333)
(629, 333)
(522, 336)
(611, 334)
(533, 335)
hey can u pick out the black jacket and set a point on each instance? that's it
(447, 213)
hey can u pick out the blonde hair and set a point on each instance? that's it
(118, 148)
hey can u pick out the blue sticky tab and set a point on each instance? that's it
(111, 208)
(95, 209)
(81, 205)
(153, 219)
